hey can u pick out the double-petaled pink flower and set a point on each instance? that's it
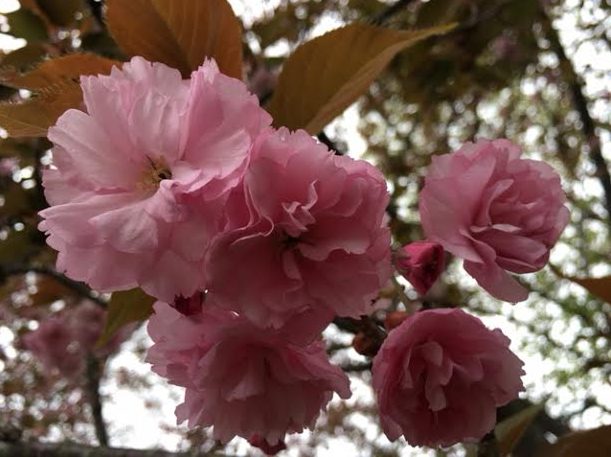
(240, 379)
(497, 211)
(309, 233)
(440, 376)
(140, 177)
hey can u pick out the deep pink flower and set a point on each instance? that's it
(240, 379)
(259, 442)
(440, 376)
(496, 211)
(139, 179)
(421, 263)
(311, 234)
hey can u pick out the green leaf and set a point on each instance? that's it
(509, 432)
(586, 443)
(327, 74)
(179, 33)
(124, 308)
(25, 24)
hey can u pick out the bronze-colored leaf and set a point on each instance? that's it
(33, 117)
(327, 74)
(60, 12)
(599, 287)
(586, 443)
(509, 431)
(59, 70)
(124, 308)
(179, 33)
(23, 58)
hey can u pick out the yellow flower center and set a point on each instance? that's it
(156, 171)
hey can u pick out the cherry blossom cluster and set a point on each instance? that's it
(254, 238)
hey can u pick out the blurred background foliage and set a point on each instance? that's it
(535, 71)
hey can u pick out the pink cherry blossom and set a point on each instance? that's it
(311, 234)
(440, 376)
(8, 166)
(63, 341)
(260, 443)
(238, 378)
(53, 344)
(139, 178)
(421, 263)
(498, 212)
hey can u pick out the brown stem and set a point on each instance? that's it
(94, 374)
(80, 450)
(356, 367)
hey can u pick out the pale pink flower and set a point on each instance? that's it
(53, 344)
(8, 166)
(496, 211)
(262, 82)
(311, 234)
(64, 341)
(139, 178)
(240, 379)
(86, 322)
(421, 263)
(440, 376)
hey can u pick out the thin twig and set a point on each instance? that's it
(580, 104)
(76, 286)
(386, 14)
(356, 367)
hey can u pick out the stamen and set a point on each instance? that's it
(156, 172)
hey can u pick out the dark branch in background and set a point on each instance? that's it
(93, 375)
(386, 14)
(356, 367)
(76, 286)
(488, 446)
(580, 104)
(80, 450)
(96, 10)
(328, 142)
